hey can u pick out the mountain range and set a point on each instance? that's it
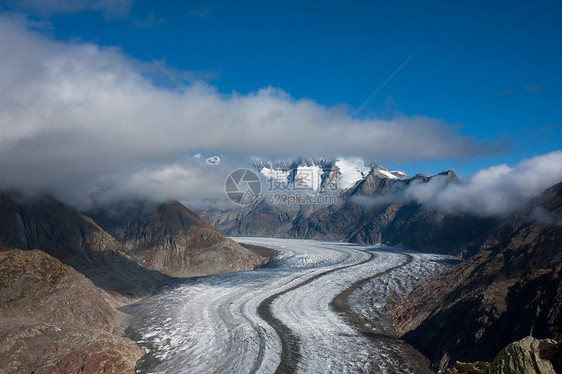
(65, 272)
(362, 213)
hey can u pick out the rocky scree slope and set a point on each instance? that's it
(511, 289)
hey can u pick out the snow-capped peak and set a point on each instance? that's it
(383, 172)
(351, 171)
(323, 174)
(212, 160)
(387, 174)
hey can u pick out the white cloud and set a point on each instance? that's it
(496, 191)
(79, 118)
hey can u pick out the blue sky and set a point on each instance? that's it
(494, 68)
(488, 71)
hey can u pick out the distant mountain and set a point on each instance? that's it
(322, 174)
(354, 214)
(511, 289)
(171, 239)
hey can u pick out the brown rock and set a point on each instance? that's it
(173, 240)
(59, 230)
(55, 320)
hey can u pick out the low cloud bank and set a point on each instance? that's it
(496, 191)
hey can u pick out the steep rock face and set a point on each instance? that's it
(172, 239)
(59, 230)
(55, 320)
(510, 290)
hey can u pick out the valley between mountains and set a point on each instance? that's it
(280, 187)
(151, 287)
(279, 318)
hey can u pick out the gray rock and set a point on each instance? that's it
(523, 357)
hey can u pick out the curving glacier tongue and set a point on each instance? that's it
(281, 317)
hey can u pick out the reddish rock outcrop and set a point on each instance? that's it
(55, 320)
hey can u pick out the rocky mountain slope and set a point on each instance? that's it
(59, 230)
(173, 240)
(55, 320)
(360, 214)
(511, 289)
(146, 243)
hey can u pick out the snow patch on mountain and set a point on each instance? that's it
(323, 174)
(400, 174)
(387, 174)
(214, 160)
(352, 170)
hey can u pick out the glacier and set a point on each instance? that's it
(214, 324)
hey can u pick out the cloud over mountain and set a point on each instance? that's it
(495, 191)
(78, 117)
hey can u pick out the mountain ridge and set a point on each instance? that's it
(510, 289)
(369, 212)
(170, 238)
